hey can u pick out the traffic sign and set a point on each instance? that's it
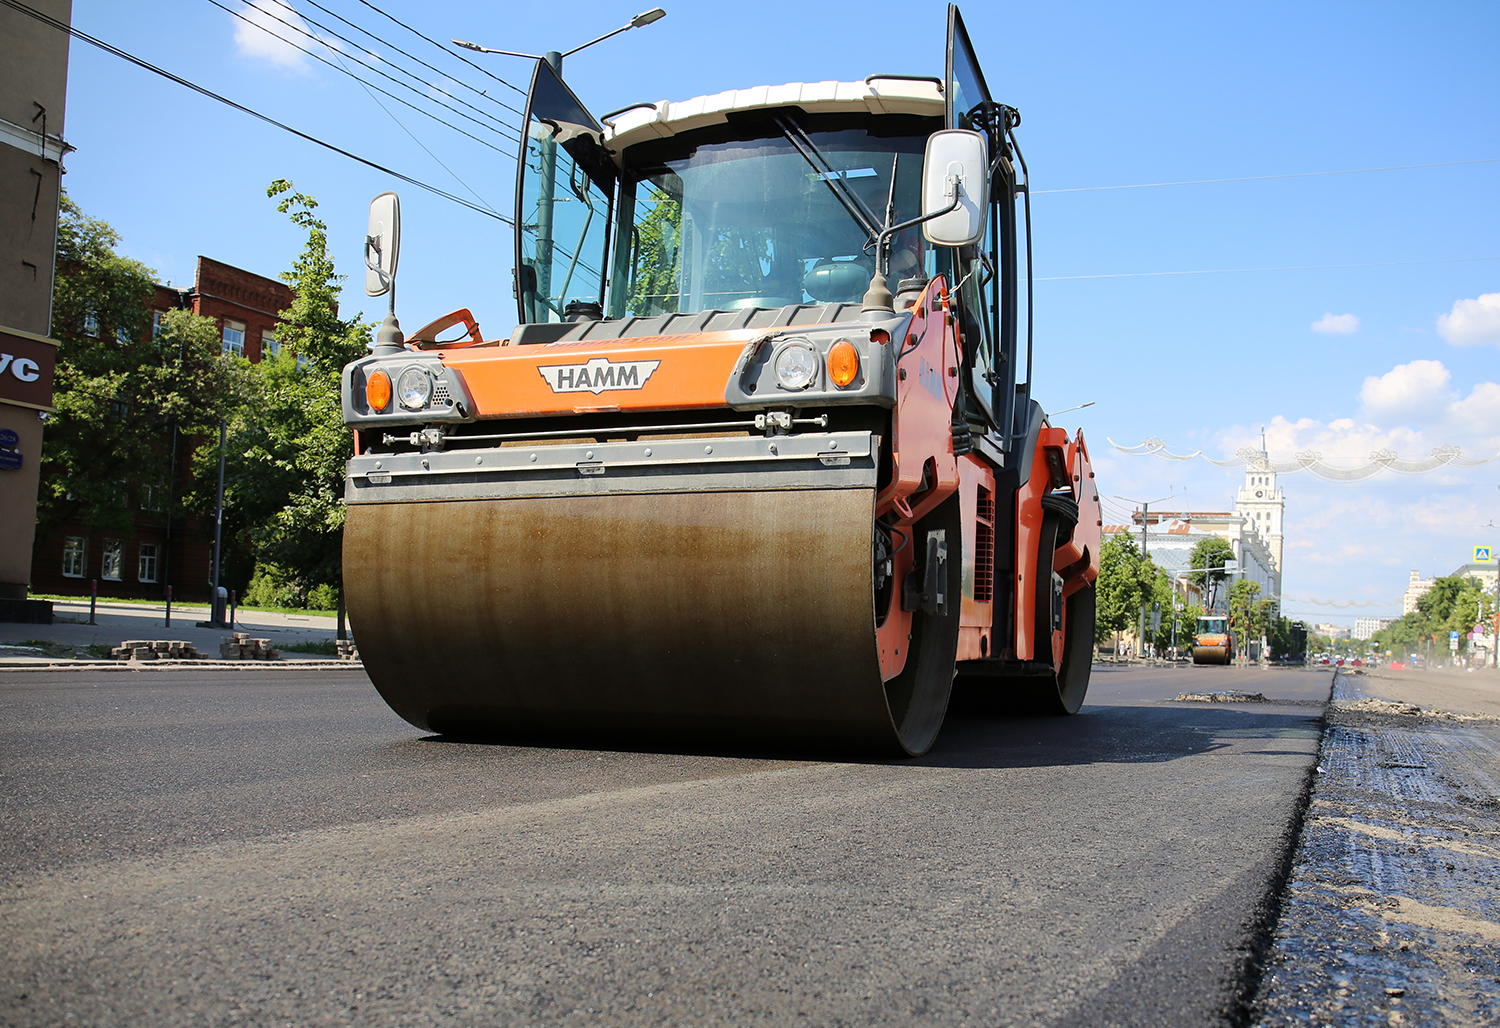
(1482, 554)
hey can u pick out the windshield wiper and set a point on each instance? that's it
(832, 178)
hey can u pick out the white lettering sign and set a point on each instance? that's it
(598, 375)
(21, 367)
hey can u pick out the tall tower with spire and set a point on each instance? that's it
(1261, 503)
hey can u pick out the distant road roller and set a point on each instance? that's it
(760, 463)
(1213, 643)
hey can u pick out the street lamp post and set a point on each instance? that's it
(553, 58)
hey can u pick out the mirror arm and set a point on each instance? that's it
(878, 296)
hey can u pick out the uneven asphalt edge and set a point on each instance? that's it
(1383, 918)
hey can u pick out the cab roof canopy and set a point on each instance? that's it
(876, 95)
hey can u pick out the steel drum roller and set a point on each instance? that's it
(737, 614)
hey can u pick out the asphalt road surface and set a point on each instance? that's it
(262, 847)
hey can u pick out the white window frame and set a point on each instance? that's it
(233, 336)
(147, 563)
(75, 556)
(122, 336)
(113, 560)
(269, 345)
(156, 323)
(91, 323)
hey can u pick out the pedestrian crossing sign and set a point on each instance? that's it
(1482, 555)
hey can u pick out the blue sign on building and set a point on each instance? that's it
(8, 437)
(10, 460)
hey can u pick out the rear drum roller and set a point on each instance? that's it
(918, 696)
(1070, 651)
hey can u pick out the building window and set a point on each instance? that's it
(156, 325)
(91, 324)
(234, 338)
(270, 346)
(122, 336)
(114, 556)
(153, 496)
(146, 566)
(75, 556)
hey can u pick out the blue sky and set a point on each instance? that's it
(1110, 94)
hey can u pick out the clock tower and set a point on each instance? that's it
(1261, 503)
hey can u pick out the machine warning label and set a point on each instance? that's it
(598, 375)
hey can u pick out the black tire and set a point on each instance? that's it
(918, 696)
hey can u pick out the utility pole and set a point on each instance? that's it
(1145, 511)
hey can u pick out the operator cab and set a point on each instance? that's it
(1213, 626)
(770, 207)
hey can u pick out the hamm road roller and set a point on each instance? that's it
(1213, 643)
(760, 462)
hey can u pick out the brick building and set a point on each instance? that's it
(162, 550)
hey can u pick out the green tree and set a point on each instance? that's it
(1117, 591)
(284, 491)
(119, 391)
(1210, 556)
(1242, 609)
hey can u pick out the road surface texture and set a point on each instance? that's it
(1392, 914)
(234, 847)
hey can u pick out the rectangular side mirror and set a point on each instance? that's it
(382, 244)
(956, 166)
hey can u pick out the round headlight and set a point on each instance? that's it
(796, 366)
(414, 388)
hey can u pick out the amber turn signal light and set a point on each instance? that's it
(378, 391)
(843, 363)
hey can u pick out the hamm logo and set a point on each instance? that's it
(597, 375)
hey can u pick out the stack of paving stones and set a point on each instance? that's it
(242, 647)
(158, 649)
(347, 649)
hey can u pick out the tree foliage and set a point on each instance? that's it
(1210, 556)
(284, 495)
(1453, 604)
(119, 391)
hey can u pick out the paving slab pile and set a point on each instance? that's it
(158, 649)
(242, 647)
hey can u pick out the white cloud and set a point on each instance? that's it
(1408, 392)
(1337, 324)
(260, 35)
(1472, 321)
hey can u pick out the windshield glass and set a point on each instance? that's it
(1212, 626)
(758, 223)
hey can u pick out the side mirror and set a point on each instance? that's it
(382, 244)
(957, 166)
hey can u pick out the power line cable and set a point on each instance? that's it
(339, 36)
(1229, 271)
(385, 42)
(391, 114)
(387, 92)
(109, 48)
(1263, 178)
(443, 48)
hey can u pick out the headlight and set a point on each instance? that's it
(796, 367)
(414, 388)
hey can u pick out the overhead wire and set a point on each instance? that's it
(386, 42)
(1230, 271)
(387, 92)
(125, 55)
(1264, 178)
(391, 114)
(343, 38)
(443, 48)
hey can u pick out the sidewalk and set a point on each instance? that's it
(118, 622)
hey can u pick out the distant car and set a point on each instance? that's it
(1358, 663)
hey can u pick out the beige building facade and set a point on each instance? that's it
(33, 90)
